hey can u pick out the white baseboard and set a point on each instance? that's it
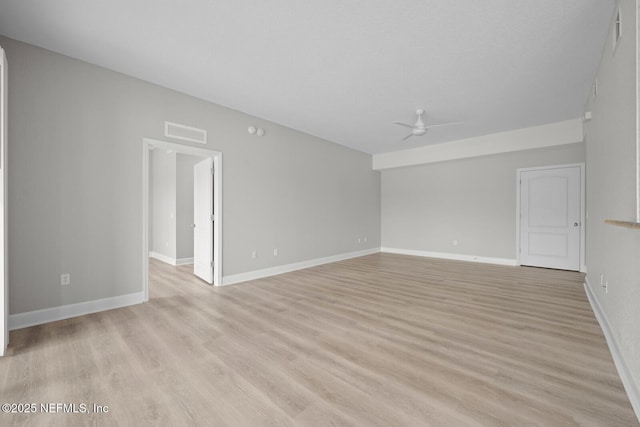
(169, 260)
(272, 271)
(456, 257)
(163, 258)
(618, 359)
(38, 317)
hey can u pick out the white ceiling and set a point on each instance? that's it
(343, 70)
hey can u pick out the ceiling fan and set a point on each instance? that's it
(419, 128)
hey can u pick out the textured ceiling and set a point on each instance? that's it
(343, 70)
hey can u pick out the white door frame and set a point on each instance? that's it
(150, 144)
(4, 251)
(583, 267)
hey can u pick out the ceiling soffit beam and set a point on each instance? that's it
(549, 135)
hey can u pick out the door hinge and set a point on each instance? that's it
(211, 263)
(213, 171)
(213, 217)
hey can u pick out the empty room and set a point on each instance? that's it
(410, 213)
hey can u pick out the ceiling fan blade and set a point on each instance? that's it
(442, 124)
(404, 124)
(407, 137)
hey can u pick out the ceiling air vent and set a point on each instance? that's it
(185, 133)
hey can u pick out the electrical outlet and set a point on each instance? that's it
(359, 240)
(275, 252)
(254, 255)
(455, 243)
(601, 279)
(365, 239)
(606, 287)
(65, 279)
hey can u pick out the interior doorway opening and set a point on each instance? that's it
(167, 247)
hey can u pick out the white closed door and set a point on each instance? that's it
(203, 217)
(550, 224)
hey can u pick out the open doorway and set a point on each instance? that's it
(171, 206)
(169, 236)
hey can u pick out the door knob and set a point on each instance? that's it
(575, 224)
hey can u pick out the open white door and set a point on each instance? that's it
(4, 294)
(203, 220)
(551, 217)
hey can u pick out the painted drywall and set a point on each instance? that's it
(184, 205)
(75, 183)
(611, 144)
(163, 206)
(473, 201)
(548, 135)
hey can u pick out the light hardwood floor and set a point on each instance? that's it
(382, 340)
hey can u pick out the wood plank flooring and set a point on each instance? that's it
(382, 340)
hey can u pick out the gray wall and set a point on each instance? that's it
(184, 205)
(473, 201)
(75, 183)
(162, 206)
(611, 191)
